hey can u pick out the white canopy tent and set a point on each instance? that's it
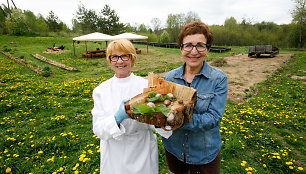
(131, 36)
(92, 37)
(96, 36)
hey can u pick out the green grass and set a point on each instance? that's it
(45, 122)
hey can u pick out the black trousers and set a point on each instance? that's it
(179, 167)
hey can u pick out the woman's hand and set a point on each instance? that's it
(171, 128)
(121, 114)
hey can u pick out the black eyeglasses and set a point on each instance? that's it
(199, 46)
(124, 57)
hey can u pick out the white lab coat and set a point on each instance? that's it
(132, 147)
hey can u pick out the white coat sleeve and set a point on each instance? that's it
(161, 132)
(104, 124)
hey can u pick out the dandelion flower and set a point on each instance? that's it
(8, 170)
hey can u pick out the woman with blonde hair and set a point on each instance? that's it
(126, 146)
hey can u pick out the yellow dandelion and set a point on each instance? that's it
(300, 168)
(8, 170)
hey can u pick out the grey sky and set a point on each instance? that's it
(142, 11)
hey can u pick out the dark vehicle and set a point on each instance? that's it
(263, 50)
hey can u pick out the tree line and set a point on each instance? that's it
(231, 33)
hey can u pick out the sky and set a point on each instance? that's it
(136, 12)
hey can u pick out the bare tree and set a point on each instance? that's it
(156, 22)
(191, 16)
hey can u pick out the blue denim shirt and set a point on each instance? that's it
(199, 141)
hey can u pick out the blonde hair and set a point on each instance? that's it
(123, 45)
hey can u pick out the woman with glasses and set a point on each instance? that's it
(126, 146)
(195, 147)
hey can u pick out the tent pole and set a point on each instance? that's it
(86, 46)
(73, 48)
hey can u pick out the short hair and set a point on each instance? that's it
(123, 45)
(196, 27)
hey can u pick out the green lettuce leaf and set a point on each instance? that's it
(143, 109)
(163, 109)
(155, 99)
(152, 94)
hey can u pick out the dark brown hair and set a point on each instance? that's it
(196, 27)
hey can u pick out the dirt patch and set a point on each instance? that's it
(50, 51)
(244, 72)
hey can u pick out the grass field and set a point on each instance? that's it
(45, 122)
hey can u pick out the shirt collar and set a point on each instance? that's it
(123, 80)
(205, 71)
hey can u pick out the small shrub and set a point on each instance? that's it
(219, 62)
(46, 73)
(46, 68)
(21, 57)
(7, 49)
(164, 37)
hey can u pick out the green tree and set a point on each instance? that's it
(153, 37)
(142, 28)
(2, 18)
(16, 23)
(174, 24)
(40, 24)
(299, 18)
(176, 21)
(85, 20)
(130, 28)
(53, 22)
(230, 23)
(164, 37)
(108, 21)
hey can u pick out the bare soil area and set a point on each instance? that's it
(244, 72)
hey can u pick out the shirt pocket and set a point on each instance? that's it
(203, 101)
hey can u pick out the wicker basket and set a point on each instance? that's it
(182, 108)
